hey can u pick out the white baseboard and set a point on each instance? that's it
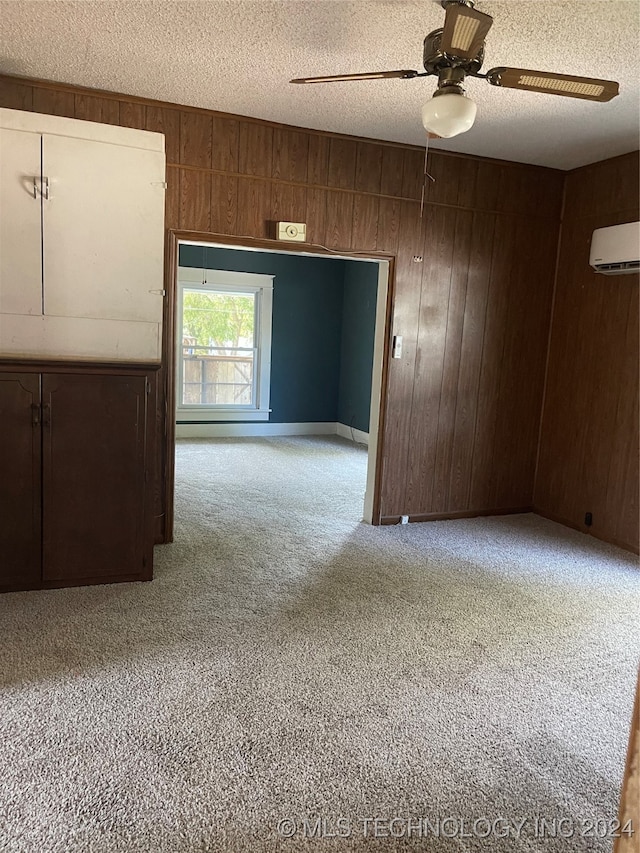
(352, 434)
(258, 429)
(248, 429)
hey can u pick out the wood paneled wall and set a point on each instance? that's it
(589, 440)
(463, 404)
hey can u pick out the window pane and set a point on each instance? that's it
(223, 376)
(218, 319)
(218, 348)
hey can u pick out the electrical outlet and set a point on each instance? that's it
(404, 519)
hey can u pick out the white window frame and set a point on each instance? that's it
(193, 278)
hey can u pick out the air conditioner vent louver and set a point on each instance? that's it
(618, 269)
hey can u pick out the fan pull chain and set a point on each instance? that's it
(426, 175)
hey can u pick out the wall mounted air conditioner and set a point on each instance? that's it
(616, 250)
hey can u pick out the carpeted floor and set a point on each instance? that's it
(291, 670)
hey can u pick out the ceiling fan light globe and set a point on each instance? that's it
(448, 115)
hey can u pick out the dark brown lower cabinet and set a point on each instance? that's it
(20, 481)
(76, 475)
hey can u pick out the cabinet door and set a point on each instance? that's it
(20, 531)
(93, 476)
(20, 246)
(103, 230)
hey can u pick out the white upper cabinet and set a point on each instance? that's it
(103, 230)
(82, 262)
(20, 211)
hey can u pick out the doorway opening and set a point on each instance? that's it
(251, 356)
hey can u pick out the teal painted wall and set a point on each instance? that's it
(356, 349)
(306, 343)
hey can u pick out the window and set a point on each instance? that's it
(224, 345)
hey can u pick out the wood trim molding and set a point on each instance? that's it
(269, 245)
(40, 365)
(451, 516)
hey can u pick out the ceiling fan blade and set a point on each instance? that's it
(465, 30)
(406, 74)
(553, 84)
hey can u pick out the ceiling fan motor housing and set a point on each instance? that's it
(450, 82)
(434, 60)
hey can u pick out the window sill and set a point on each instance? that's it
(201, 415)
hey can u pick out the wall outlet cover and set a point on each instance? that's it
(292, 231)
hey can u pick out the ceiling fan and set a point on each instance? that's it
(456, 51)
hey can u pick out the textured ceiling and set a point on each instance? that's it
(238, 55)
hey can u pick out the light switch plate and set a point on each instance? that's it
(293, 231)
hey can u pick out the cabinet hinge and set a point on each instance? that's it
(162, 184)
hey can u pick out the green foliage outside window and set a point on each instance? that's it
(218, 319)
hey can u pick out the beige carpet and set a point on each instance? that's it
(292, 664)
